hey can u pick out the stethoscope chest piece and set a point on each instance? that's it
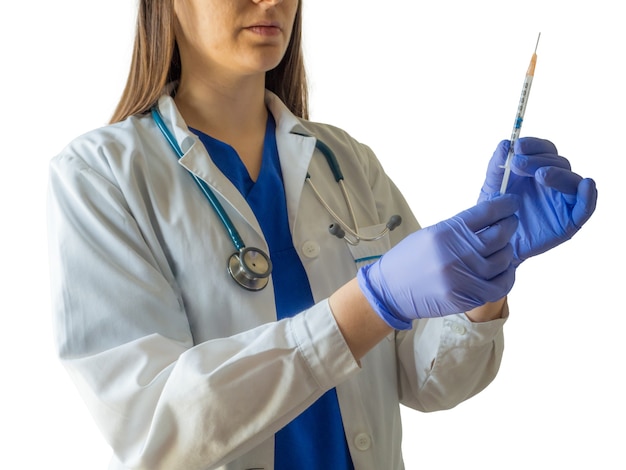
(250, 268)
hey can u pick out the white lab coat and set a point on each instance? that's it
(183, 369)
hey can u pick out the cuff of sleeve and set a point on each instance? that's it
(322, 346)
(464, 331)
(451, 333)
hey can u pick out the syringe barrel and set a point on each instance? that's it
(519, 118)
(517, 127)
(521, 108)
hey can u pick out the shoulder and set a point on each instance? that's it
(107, 147)
(352, 154)
(320, 129)
(336, 137)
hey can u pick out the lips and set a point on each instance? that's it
(265, 28)
(265, 24)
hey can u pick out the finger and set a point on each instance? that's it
(559, 179)
(500, 285)
(487, 213)
(491, 266)
(533, 145)
(527, 165)
(499, 155)
(495, 237)
(585, 202)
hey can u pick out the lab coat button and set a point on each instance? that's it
(362, 441)
(458, 329)
(310, 249)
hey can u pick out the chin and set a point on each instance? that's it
(262, 66)
(264, 58)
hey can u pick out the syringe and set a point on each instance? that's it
(521, 109)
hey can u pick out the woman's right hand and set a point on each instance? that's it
(451, 267)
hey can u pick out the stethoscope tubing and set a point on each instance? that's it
(215, 203)
(353, 233)
(238, 266)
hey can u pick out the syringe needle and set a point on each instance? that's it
(536, 45)
(533, 59)
(519, 117)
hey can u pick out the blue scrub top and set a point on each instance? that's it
(315, 440)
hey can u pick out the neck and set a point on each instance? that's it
(223, 109)
(232, 111)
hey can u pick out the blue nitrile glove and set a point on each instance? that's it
(448, 268)
(554, 201)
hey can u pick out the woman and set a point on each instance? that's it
(180, 366)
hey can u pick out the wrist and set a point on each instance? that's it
(487, 312)
(360, 325)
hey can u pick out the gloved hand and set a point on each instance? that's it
(448, 268)
(554, 201)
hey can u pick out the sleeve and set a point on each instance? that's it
(444, 361)
(161, 401)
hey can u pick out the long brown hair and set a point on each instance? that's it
(156, 63)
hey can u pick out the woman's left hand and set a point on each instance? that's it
(554, 201)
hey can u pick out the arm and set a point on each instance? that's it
(444, 361)
(162, 399)
(437, 366)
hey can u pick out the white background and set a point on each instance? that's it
(431, 87)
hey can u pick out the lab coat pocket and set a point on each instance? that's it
(366, 252)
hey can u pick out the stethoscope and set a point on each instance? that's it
(251, 267)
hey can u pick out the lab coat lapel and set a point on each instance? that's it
(295, 152)
(197, 161)
(296, 145)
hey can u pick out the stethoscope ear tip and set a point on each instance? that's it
(336, 230)
(394, 221)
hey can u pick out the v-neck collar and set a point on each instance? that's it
(230, 164)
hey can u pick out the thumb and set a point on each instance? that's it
(585, 202)
(495, 169)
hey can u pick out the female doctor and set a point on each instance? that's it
(203, 309)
